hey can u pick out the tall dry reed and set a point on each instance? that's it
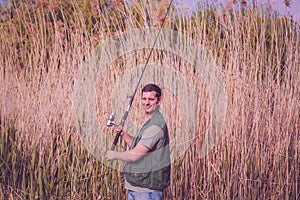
(42, 47)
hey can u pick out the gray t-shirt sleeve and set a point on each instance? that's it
(151, 136)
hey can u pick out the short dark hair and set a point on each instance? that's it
(152, 87)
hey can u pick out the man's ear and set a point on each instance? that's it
(159, 100)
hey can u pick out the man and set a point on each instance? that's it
(147, 168)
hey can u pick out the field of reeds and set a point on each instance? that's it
(44, 43)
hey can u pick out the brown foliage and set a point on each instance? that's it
(160, 13)
(287, 3)
(257, 56)
(119, 4)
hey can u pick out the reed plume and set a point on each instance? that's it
(160, 12)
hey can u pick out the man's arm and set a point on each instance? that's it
(150, 137)
(129, 156)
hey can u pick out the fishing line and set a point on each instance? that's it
(111, 117)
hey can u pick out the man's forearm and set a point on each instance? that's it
(127, 156)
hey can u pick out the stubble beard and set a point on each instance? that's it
(154, 109)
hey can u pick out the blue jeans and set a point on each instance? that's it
(132, 195)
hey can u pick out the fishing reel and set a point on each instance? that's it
(110, 120)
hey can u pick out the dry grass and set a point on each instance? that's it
(42, 156)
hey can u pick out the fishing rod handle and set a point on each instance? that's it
(113, 146)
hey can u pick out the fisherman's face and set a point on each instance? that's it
(150, 102)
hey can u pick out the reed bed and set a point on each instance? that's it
(42, 46)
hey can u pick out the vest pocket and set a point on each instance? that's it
(142, 178)
(138, 179)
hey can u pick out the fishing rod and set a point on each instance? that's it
(111, 118)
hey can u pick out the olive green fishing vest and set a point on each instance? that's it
(152, 170)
